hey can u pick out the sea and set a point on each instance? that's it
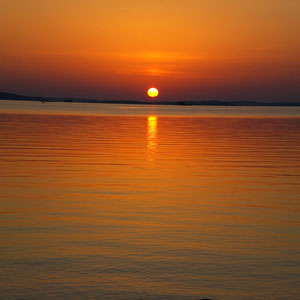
(121, 201)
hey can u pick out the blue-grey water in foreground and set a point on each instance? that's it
(149, 202)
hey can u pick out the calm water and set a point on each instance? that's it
(139, 202)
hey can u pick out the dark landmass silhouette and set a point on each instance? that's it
(10, 96)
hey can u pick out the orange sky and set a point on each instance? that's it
(193, 49)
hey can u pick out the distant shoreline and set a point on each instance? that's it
(15, 97)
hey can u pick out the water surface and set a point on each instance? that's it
(159, 204)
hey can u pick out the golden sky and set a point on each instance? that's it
(114, 49)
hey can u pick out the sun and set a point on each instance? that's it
(152, 92)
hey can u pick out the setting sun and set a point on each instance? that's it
(153, 92)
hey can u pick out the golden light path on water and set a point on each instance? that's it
(151, 135)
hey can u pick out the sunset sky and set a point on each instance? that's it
(117, 49)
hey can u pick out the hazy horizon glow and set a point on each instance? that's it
(227, 50)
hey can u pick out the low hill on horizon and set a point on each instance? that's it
(12, 96)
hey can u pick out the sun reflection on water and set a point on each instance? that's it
(152, 134)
